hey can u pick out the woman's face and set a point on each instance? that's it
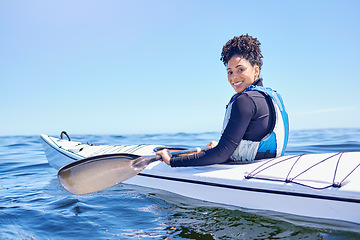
(241, 73)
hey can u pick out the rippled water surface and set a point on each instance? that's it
(34, 205)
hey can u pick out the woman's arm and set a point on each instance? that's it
(166, 154)
(243, 110)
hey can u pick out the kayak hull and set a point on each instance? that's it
(233, 184)
(306, 205)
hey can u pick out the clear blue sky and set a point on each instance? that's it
(120, 67)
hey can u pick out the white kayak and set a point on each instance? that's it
(325, 186)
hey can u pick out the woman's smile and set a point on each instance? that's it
(237, 84)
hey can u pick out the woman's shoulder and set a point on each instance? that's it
(249, 101)
(250, 95)
(245, 100)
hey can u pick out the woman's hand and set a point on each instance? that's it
(165, 156)
(212, 144)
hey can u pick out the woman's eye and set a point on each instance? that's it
(229, 73)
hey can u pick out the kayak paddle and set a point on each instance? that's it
(99, 172)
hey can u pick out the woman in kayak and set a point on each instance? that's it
(255, 123)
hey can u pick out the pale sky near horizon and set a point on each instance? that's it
(136, 66)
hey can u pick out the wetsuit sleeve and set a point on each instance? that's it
(243, 109)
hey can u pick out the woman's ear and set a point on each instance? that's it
(257, 71)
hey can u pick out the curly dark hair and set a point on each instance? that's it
(246, 46)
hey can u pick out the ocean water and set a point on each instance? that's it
(33, 205)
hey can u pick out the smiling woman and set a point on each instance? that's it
(255, 124)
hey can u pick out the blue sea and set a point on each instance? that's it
(33, 205)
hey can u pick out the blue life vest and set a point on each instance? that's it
(273, 144)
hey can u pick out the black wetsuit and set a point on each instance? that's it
(252, 118)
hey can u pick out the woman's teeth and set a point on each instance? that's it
(237, 84)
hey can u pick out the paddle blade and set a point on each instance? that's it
(97, 173)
